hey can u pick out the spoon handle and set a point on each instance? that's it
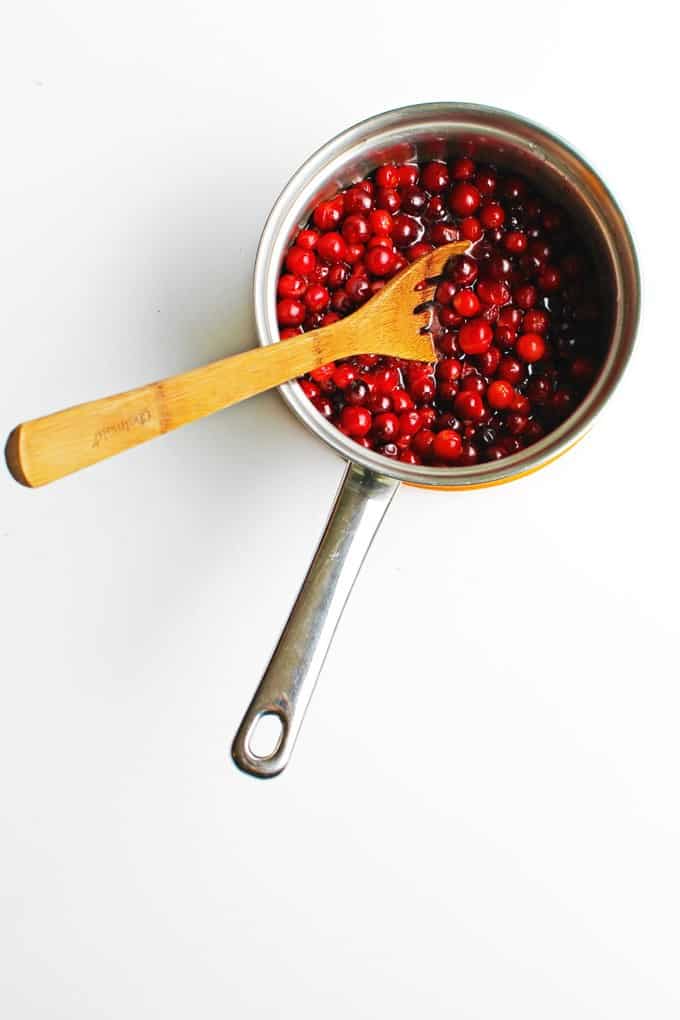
(44, 449)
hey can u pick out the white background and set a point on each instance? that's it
(481, 819)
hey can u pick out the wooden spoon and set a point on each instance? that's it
(48, 448)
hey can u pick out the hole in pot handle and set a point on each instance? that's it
(293, 670)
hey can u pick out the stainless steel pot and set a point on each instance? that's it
(433, 130)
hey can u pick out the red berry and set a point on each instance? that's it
(380, 222)
(291, 286)
(466, 303)
(327, 215)
(355, 229)
(462, 168)
(316, 297)
(290, 312)
(449, 369)
(300, 262)
(471, 228)
(331, 247)
(307, 239)
(511, 370)
(379, 261)
(463, 199)
(385, 427)
(515, 241)
(387, 177)
(475, 336)
(388, 199)
(357, 201)
(536, 321)
(409, 423)
(435, 177)
(405, 230)
(469, 405)
(500, 394)
(356, 421)
(530, 347)
(408, 175)
(447, 445)
(491, 215)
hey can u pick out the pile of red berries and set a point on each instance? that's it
(517, 319)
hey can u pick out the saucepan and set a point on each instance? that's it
(423, 132)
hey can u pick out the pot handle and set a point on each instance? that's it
(291, 676)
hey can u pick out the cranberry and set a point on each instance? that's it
(290, 312)
(379, 403)
(357, 202)
(331, 247)
(356, 421)
(511, 370)
(445, 292)
(486, 180)
(493, 292)
(387, 379)
(380, 222)
(500, 394)
(409, 423)
(464, 199)
(418, 250)
(499, 268)
(461, 169)
(515, 242)
(444, 233)
(409, 457)
(337, 275)
(357, 392)
(530, 347)
(300, 261)
(539, 389)
(466, 303)
(471, 228)
(436, 209)
(548, 279)
(475, 336)
(355, 229)
(327, 215)
(469, 405)
(491, 215)
(449, 369)
(422, 442)
(413, 200)
(388, 200)
(408, 175)
(317, 297)
(385, 427)
(307, 239)
(435, 177)
(379, 261)
(489, 361)
(343, 376)
(401, 401)
(422, 390)
(289, 332)
(525, 296)
(515, 423)
(387, 177)
(468, 455)
(291, 286)
(536, 320)
(447, 445)
(461, 269)
(342, 302)
(358, 289)
(389, 450)
(323, 406)
(405, 230)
